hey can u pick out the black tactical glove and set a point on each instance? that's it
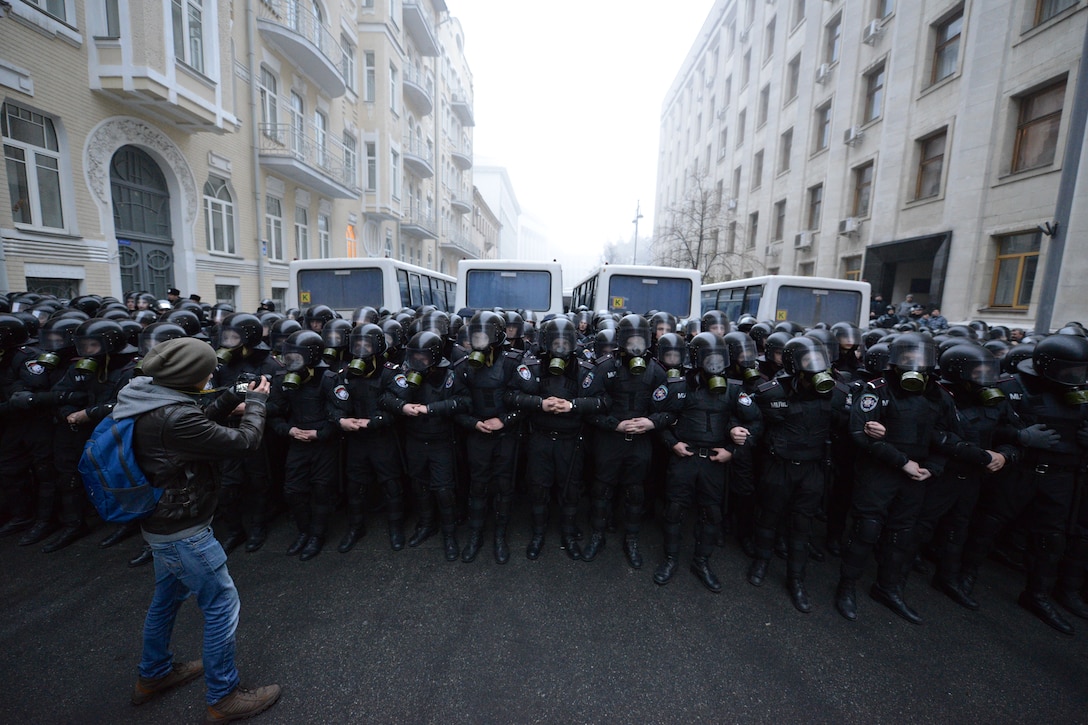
(1039, 436)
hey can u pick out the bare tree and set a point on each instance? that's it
(701, 232)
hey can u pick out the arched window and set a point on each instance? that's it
(218, 216)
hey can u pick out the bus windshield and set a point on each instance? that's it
(340, 289)
(807, 305)
(509, 289)
(639, 295)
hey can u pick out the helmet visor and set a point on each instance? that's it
(89, 347)
(713, 363)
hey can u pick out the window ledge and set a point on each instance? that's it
(1018, 311)
(914, 203)
(46, 24)
(195, 74)
(224, 255)
(32, 233)
(933, 87)
(1042, 27)
(1014, 176)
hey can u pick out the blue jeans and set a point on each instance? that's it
(196, 565)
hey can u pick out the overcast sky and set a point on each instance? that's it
(567, 97)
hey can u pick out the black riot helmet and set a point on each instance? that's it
(913, 357)
(13, 332)
(141, 317)
(32, 324)
(873, 336)
(98, 338)
(58, 334)
(1061, 359)
(1011, 362)
(366, 345)
(267, 305)
(486, 331)
(86, 303)
(999, 348)
(515, 327)
(827, 339)
(790, 327)
(671, 350)
(219, 312)
(396, 338)
(876, 358)
(186, 319)
(662, 323)
(974, 367)
(806, 358)
(158, 332)
(604, 343)
(743, 354)
(365, 315)
(280, 331)
(744, 324)
(316, 317)
(558, 338)
(301, 354)
(773, 347)
(267, 320)
(848, 335)
(633, 342)
(435, 321)
(714, 321)
(424, 352)
(334, 336)
(710, 356)
(239, 334)
(759, 332)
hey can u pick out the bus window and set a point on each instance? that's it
(708, 300)
(405, 293)
(752, 295)
(641, 294)
(340, 288)
(416, 292)
(510, 289)
(807, 306)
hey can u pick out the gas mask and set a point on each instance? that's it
(990, 396)
(49, 360)
(1077, 396)
(824, 382)
(330, 355)
(360, 366)
(557, 365)
(481, 353)
(713, 368)
(294, 380)
(414, 378)
(747, 374)
(230, 346)
(87, 365)
(479, 358)
(913, 381)
(634, 349)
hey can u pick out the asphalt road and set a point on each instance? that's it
(404, 637)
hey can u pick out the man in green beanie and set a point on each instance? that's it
(177, 445)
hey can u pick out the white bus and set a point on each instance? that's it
(804, 300)
(512, 284)
(638, 288)
(347, 283)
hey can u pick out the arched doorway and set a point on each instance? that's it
(141, 219)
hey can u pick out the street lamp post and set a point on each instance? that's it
(638, 215)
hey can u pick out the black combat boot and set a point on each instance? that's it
(795, 584)
(570, 533)
(298, 544)
(955, 591)
(540, 524)
(1039, 604)
(66, 536)
(665, 571)
(593, 546)
(472, 548)
(892, 598)
(630, 550)
(312, 548)
(700, 567)
(396, 534)
(118, 535)
(846, 599)
(351, 538)
(449, 545)
(37, 533)
(502, 550)
(757, 571)
(257, 536)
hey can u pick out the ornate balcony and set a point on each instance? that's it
(418, 158)
(299, 34)
(462, 108)
(418, 91)
(418, 223)
(461, 155)
(458, 242)
(316, 164)
(420, 25)
(460, 203)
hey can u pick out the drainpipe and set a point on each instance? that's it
(258, 218)
(1067, 188)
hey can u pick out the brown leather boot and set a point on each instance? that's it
(242, 703)
(182, 673)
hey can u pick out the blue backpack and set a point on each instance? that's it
(115, 484)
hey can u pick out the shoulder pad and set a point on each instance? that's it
(456, 363)
(876, 384)
(514, 354)
(768, 386)
(528, 359)
(842, 387)
(586, 365)
(390, 366)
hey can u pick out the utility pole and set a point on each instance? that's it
(638, 215)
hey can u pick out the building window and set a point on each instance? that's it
(393, 100)
(113, 19)
(736, 182)
(815, 206)
(273, 227)
(746, 69)
(218, 216)
(793, 78)
(267, 90)
(946, 49)
(798, 13)
(321, 139)
(723, 140)
(33, 159)
(779, 220)
(806, 269)
(741, 118)
(226, 294)
(863, 189)
(351, 160)
(1014, 270)
(324, 245)
(851, 268)
(757, 170)
(1037, 128)
(298, 124)
(822, 129)
(768, 41)
(371, 166)
(785, 150)
(883, 8)
(833, 40)
(347, 62)
(188, 25)
(370, 77)
(56, 8)
(394, 174)
(731, 237)
(753, 229)
(874, 93)
(728, 90)
(930, 165)
(1046, 9)
(764, 105)
(59, 287)
(302, 233)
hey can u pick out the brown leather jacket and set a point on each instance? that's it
(178, 446)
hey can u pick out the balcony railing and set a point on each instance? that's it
(420, 25)
(311, 159)
(459, 241)
(418, 222)
(461, 154)
(418, 90)
(462, 108)
(460, 201)
(418, 157)
(299, 34)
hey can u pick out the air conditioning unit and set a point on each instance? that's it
(731, 204)
(849, 226)
(744, 36)
(823, 73)
(852, 136)
(873, 31)
(803, 240)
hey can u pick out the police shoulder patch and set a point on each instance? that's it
(341, 392)
(868, 402)
(524, 373)
(401, 380)
(661, 392)
(744, 399)
(587, 380)
(34, 367)
(449, 379)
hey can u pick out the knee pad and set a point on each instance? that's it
(636, 495)
(711, 515)
(868, 530)
(900, 538)
(674, 513)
